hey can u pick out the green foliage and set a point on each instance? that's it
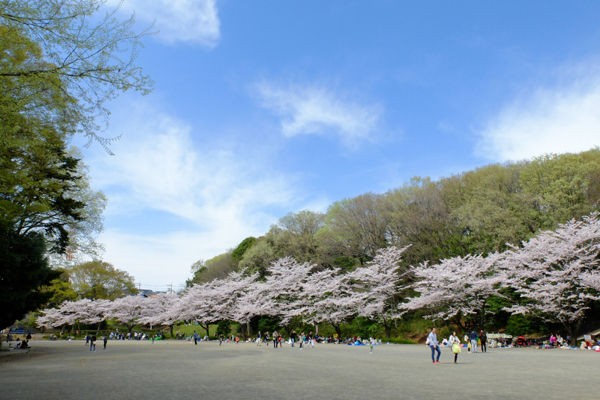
(100, 280)
(518, 324)
(60, 289)
(59, 63)
(268, 324)
(23, 271)
(86, 52)
(216, 268)
(400, 340)
(295, 236)
(354, 228)
(346, 263)
(238, 253)
(366, 328)
(223, 329)
(38, 175)
(257, 258)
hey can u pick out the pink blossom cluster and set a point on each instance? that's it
(290, 289)
(554, 275)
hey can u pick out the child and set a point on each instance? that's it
(454, 342)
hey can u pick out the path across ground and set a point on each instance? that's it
(179, 370)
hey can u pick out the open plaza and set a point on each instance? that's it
(182, 370)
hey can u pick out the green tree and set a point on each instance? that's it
(59, 64)
(60, 289)
(295, 235)
(417, 215)
(258, 258)
(216, 268)
(100, 280)
(92, 56)
(562, 187)
(354, 228)
(23, 270)
(241, 248)
(38, 176)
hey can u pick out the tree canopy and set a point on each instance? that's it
(88, 56)
(60, 61)
(100, 280)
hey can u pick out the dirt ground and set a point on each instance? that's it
(181, 370)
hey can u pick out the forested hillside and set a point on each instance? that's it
(458, 223)
(476, 212)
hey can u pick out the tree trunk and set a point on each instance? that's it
(573, 330)
(205, 327)
(388, 330)
(338, 330)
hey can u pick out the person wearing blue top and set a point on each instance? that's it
(473, 338)
(432, 341)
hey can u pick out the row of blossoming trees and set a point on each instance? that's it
(554, 276)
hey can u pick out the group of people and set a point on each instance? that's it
(473, 340)
(91, 340)
(277, 339)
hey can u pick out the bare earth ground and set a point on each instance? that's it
(180, 370)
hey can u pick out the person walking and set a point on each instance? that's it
(433, 344)
(483, 340)
(454, 343)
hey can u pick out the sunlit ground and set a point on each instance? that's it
(180, 370)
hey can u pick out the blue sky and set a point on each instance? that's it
(261, 108)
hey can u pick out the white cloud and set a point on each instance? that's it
(194, 21)
(159, 169)
(560, 120)
(318, 110)
(156, 261)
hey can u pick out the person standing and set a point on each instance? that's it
(93, 343)
(473, 338)
(105, 341)
(483, 340)
(454, 343)
(433, 344)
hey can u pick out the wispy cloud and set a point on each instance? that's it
(310, 110)
(192, 21)
(161, 168)
(546, 120)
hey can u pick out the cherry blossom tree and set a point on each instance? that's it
(556, 274)
(286, 288)
(330, 298)
(129, 310)
(70, 313)
(455, 288)
(162, 307)
(203, 304)
(54, 318)
(250, 298)
(377, 286)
